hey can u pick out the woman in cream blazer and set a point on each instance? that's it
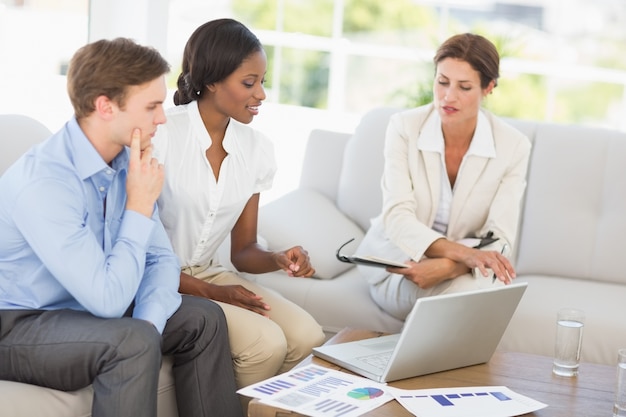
(453, 173)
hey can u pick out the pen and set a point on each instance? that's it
(493, 278)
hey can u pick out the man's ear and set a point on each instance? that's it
(104, 107)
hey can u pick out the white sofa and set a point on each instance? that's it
(571, 243)
(570, 248)
(17, 134)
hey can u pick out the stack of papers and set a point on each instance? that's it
(323, 392)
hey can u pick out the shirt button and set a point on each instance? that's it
(102, 189)
(109, 172)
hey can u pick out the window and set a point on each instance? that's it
(37, 39)
(561, 61)
(332, 60)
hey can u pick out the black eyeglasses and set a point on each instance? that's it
(488, 239)
(343, 258)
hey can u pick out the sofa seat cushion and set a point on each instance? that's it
(533, 326)
(341, 302)
(30, 400)
(24, 400)
(307, 218)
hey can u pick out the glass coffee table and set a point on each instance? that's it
(591, 393)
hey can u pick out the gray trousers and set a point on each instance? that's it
(68, 350)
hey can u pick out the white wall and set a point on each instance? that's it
(145, 21)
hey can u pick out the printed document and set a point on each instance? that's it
(320, 392)
(317, 391)
(491, 401)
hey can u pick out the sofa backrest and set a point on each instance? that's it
(17, 134)
(574, 217)
(527, 127)
(323, 158)
(359, 194)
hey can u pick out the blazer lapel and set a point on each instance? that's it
(432, 166)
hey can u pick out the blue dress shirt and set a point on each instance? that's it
(60, 247)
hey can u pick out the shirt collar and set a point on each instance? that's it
(90, 162)
(230, 137)
(482, 144)
(203, 136)
(198, 125)
(229, 142)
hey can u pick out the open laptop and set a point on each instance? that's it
(441, 332)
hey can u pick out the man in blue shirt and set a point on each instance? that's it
(88, 279)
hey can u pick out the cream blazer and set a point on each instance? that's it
(487, 195)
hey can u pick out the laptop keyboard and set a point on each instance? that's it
(377, 360)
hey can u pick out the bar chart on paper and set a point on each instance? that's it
(459, 402)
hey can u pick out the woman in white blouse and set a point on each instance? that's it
(216, 167)
(452, 171)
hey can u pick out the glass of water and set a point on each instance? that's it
(619, 407)
(569, 337)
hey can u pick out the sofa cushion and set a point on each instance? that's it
(30, 400)
(336, 303)
(573, 223)
(533, 326)
(325, 149)
(17, 134)
(359, 195)
(307, 218)
(24, 400)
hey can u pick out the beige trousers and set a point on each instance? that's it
(262, 347)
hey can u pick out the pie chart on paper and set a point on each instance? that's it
(365, 393)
